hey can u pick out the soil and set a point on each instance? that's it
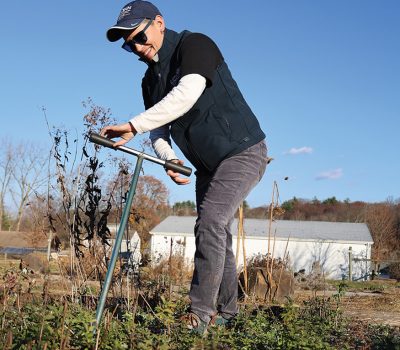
(379, 307)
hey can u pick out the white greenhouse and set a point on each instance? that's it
(306, 243)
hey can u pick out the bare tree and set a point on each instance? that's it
(321, 251)
(35, 218)
(381, 222)
(29, 175)
(6, 168)
(150, 206)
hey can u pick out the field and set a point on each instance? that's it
(376, 302)
(45, 312)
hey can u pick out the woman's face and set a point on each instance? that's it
(155, 36)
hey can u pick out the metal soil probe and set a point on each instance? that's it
(103, 141)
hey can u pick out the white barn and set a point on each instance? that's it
(307, 242)
(130, 244)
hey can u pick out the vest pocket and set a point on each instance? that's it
(209, 139)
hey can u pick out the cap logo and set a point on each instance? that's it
(124, 12)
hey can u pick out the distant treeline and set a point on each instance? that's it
(383, 219)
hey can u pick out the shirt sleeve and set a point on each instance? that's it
(175, 104)
(161, 142)
(200, 55)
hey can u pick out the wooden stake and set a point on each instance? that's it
(283, 264)
(244, 255)
(238, 237)
(170, 268)
(49, 245)
(271, 210)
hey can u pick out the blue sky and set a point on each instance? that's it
(323, 77)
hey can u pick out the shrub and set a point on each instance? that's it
(394, 271)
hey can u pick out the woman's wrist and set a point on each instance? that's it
(132, 128)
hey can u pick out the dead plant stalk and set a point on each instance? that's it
(283, 264)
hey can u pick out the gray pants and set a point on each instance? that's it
(214, 285)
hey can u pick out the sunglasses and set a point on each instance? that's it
(140, 38)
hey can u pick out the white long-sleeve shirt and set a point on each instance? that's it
(175, 104)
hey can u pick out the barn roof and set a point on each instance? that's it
(257, 228)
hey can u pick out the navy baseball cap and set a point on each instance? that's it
(130, 17)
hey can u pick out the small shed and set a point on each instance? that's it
(307, 242)
(130, 244)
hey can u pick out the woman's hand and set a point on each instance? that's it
(125, 131)
(176, 176)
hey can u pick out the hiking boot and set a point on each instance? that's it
(218, 320)
(194, 323)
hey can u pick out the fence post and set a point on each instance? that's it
(350, 263)
(49, 245)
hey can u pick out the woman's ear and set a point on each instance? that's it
(159, 22)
